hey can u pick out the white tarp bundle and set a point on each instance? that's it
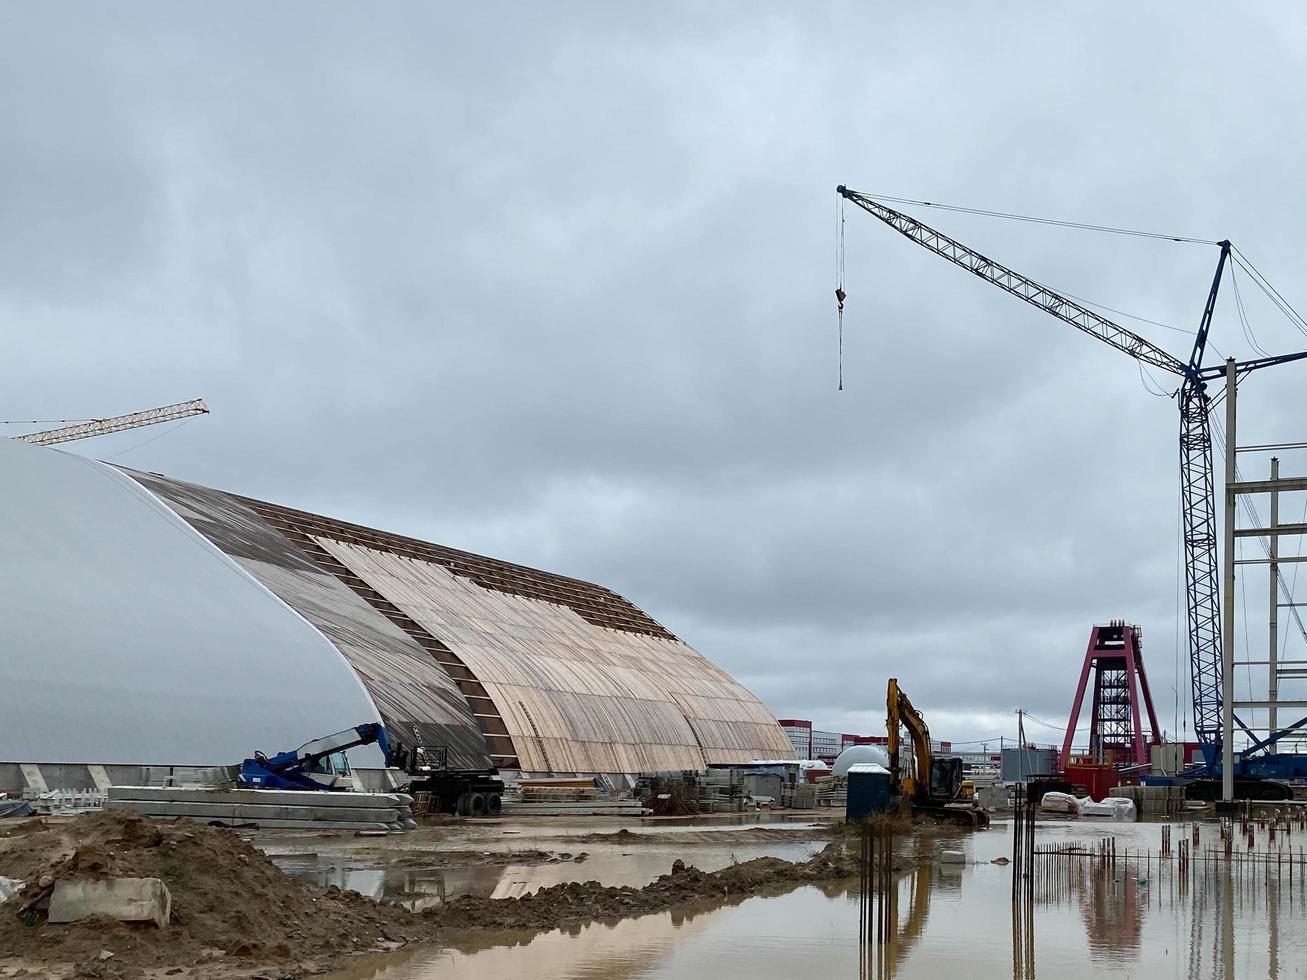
(1054, 802)
(1113, 807)
(1116, 808)
(128, 638)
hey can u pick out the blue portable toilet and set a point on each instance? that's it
(868, 791)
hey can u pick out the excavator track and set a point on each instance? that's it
(971, 818)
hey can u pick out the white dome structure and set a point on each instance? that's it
(856, 755)
(145, 621)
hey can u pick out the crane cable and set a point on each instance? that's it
(1080, 225)
(1248, 334)
(839, 283)
(1250, 511)
(1271, 292)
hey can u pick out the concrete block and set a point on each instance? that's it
(125, 899)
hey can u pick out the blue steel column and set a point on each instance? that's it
(1227, 648)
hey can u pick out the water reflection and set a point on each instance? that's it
(414, 888)
(950, 922)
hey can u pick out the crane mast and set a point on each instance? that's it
(118, 423)
(1196, 470)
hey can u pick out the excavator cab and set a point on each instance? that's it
(945, 779)
(930, 783)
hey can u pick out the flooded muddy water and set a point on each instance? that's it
(951, 921)
(417, 873)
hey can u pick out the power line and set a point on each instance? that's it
(1056, 728)
(45, 421)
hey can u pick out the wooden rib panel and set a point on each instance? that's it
(488, 721)
(574, 696)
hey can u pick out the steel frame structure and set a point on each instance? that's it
(1197, 481)
(1116, 733)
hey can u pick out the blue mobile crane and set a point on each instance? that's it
(316, 765)
(321, 765)
(1196, 477)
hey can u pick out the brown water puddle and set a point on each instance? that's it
(951, 921)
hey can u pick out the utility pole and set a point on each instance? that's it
(1227, 628)
(1273, 681)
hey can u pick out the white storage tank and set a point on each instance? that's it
(856, 755)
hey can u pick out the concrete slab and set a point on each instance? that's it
(277, 797)
(99, 777)
(252, 813)
(32, 776)
(125, 899)
(273, 824)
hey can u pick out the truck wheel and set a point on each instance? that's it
(476, 805)
(494, 805)
(461, 805)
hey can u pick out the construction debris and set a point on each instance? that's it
(145, 900)
(228, 900)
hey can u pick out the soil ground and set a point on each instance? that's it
(235, 914)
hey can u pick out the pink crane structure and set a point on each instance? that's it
(1116, 735)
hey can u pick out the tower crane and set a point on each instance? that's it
(118, 423)
(1196, 471)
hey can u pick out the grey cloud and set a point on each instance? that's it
(558, 287)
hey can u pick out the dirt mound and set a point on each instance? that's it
(552, 907)
(229, 902)
(236, 914)
(733, 835)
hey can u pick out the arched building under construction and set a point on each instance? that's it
(152, 622)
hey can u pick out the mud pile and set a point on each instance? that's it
(229, 903)
(237, 915)
(741, 835)
(557, 905)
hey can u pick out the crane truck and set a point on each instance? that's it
(316, 765)
(321, 765)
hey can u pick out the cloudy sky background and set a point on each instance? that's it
(556, 286)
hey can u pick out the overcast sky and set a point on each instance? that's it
(556, 285)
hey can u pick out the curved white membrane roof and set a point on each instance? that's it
(126, 637)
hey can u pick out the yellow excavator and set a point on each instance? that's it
(936, 787)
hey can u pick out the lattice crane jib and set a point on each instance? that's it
(1196, 467)
(118, 423)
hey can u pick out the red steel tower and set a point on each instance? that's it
(1116, 735)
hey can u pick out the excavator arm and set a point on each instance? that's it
(903, 715)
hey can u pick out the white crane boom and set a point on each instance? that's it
(102, 427)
